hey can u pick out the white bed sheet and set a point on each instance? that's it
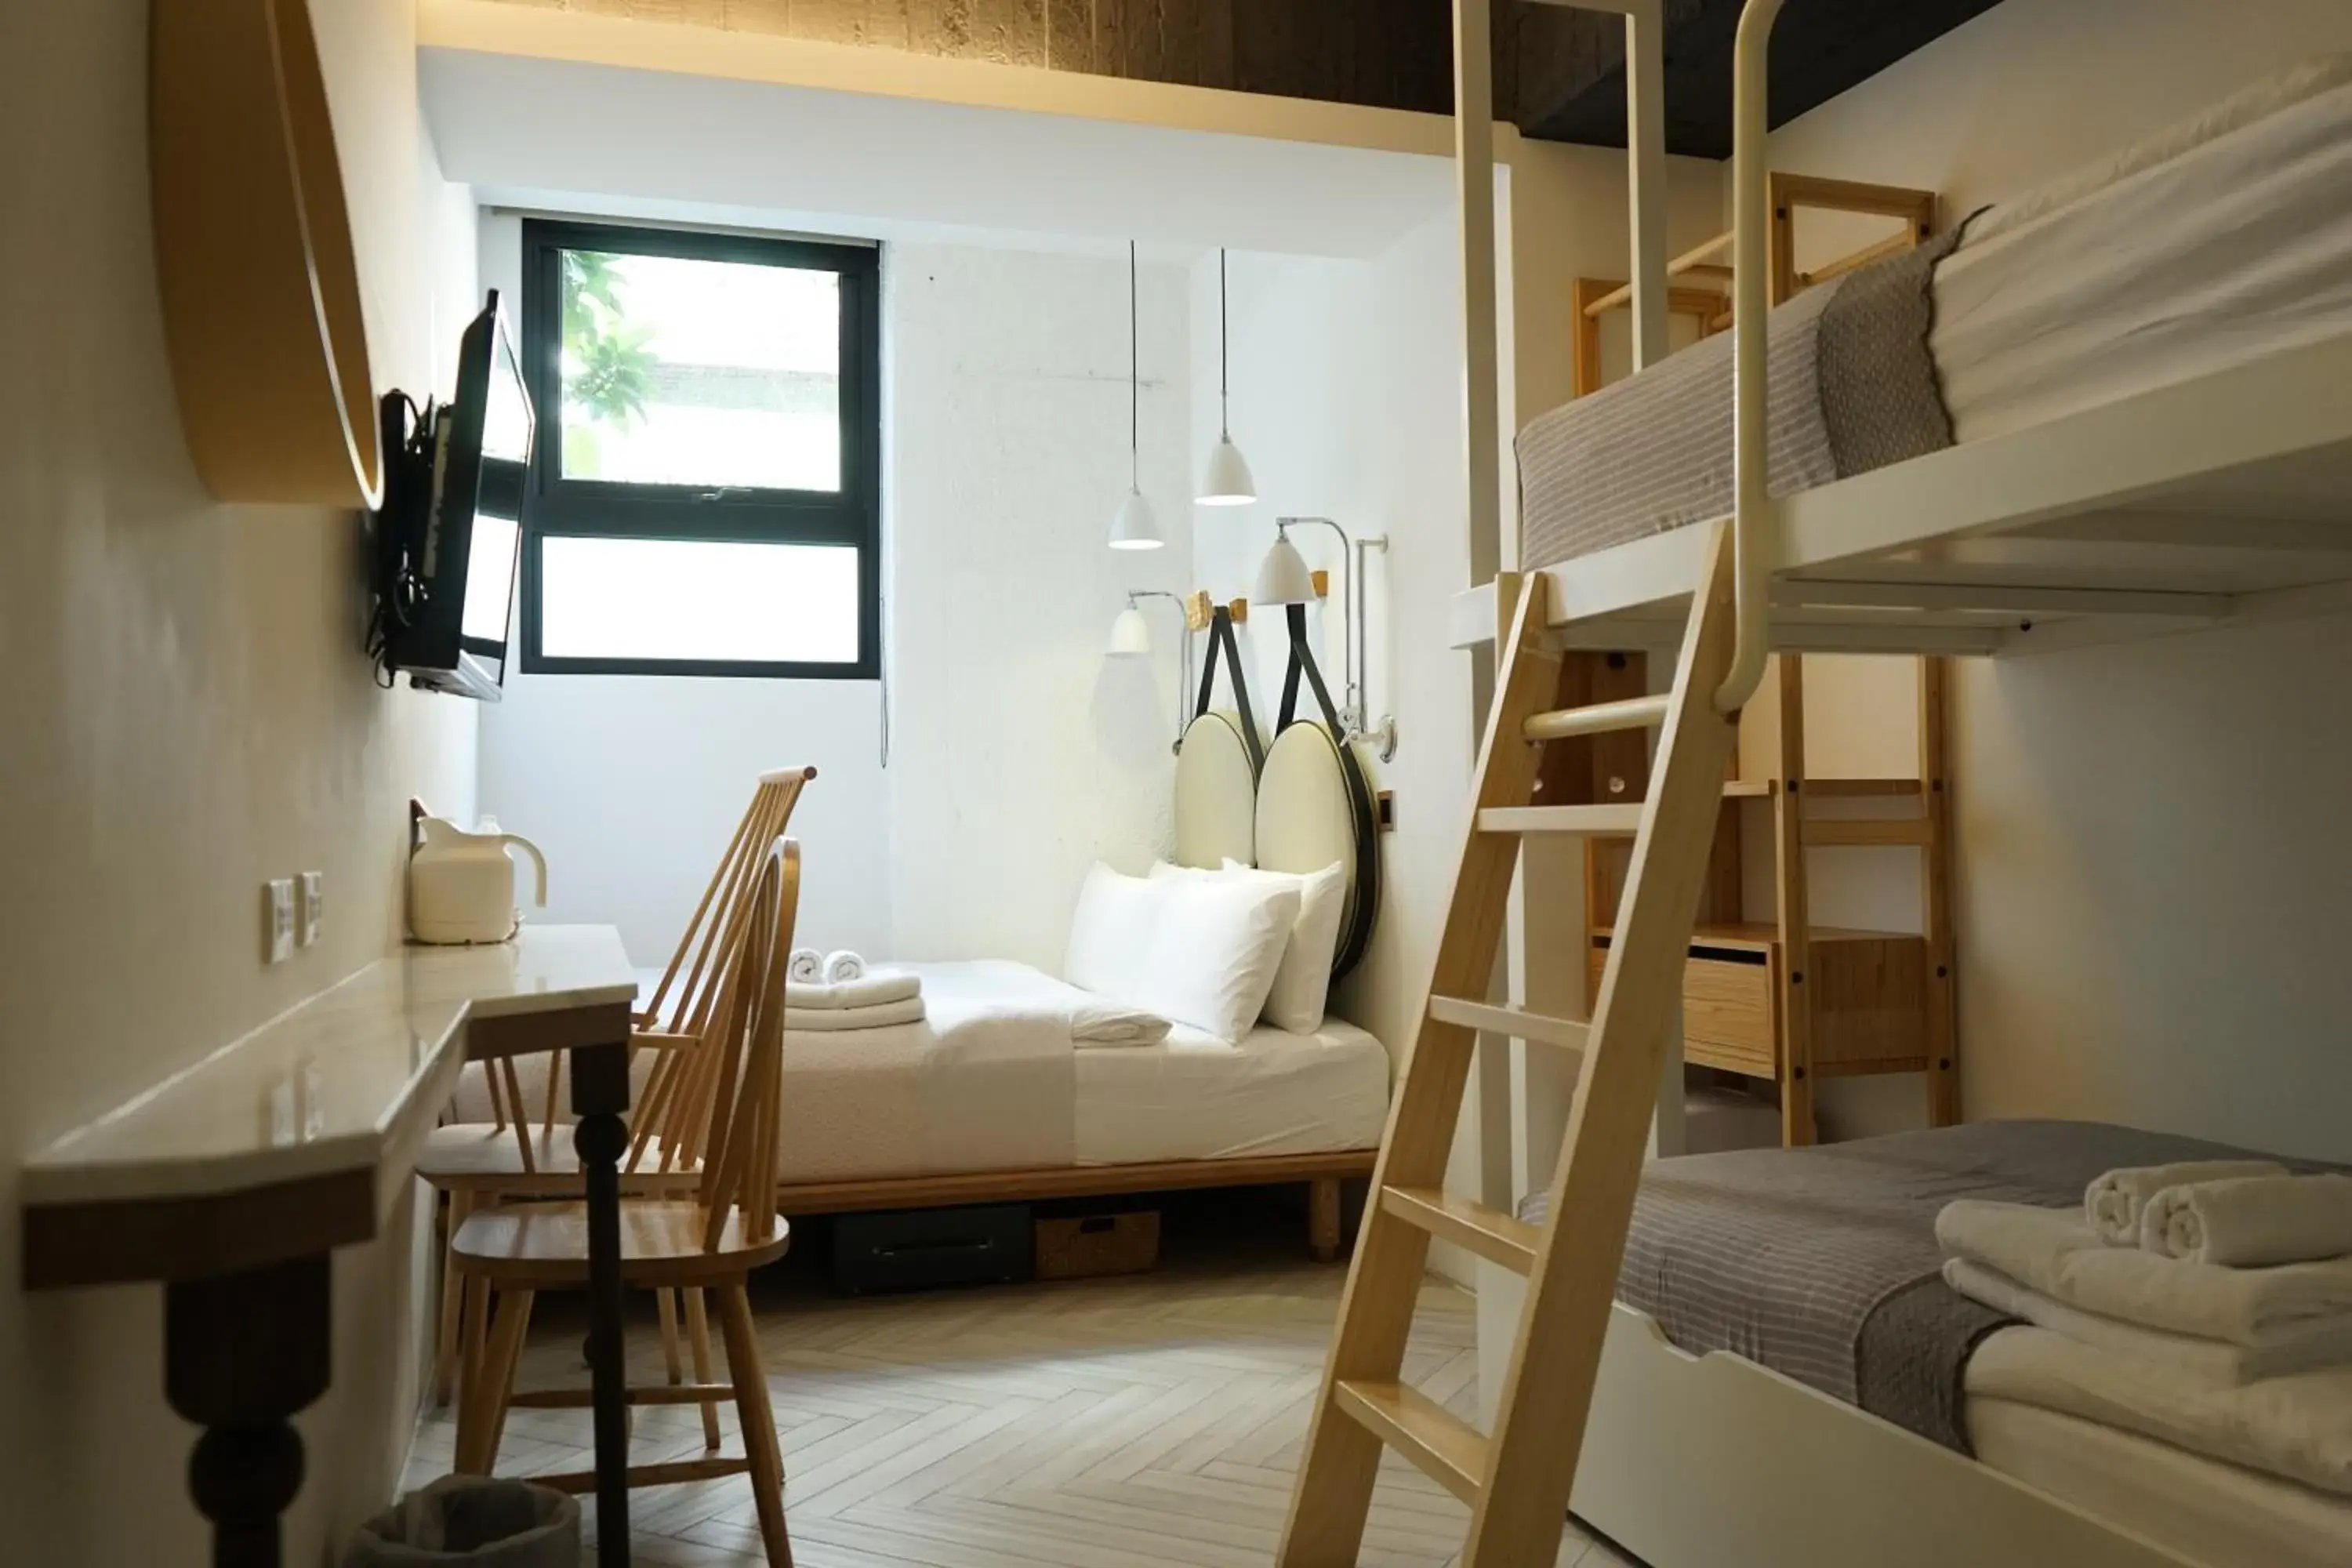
(984, 1084)
(2216, 1513)
(1195, 1097)
(2225, 239)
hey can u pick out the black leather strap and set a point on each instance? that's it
(1365, 907)
(1223, 641)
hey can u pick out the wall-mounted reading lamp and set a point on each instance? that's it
(1282, 579)
(1130, 637)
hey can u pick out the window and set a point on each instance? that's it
(706, 485)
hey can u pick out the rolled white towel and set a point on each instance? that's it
(2251, 1221)
(842, 966)
(1108, 1023)
(806, 967)
(889, 1015)
(2112, 1204)
(876, 990)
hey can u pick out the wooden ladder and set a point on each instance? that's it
(1516, 1481)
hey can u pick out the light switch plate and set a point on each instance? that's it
(314, 907)
(278, 920)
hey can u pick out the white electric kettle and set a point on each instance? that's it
(461, 886)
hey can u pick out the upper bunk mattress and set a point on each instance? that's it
(1822, 1264)
(2226, 237)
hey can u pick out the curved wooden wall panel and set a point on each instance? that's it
(253, 252)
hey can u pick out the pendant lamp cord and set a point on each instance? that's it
(1134, 380)
(1224, 356)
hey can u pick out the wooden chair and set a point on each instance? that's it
(477, 1163)
(711, 1241)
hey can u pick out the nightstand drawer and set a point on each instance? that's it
(1726, 1006)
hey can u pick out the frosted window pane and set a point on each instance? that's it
(682, 372)
(677, 599)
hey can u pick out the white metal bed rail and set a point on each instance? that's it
(1755, 535)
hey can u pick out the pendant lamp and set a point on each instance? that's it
(1226, 480)
(1134, 527)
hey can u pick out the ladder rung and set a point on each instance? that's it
(1489, 1233)
(1509, 1021)
(1633, 713)
(1448, 1449)
(1592, 819)
(1870, 831)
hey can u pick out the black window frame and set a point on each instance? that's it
(597, 509)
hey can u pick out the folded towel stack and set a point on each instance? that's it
(878, 1000)
(2209, 1306)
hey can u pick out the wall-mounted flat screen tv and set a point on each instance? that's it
(450, 533)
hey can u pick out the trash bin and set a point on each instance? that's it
(472, 1519)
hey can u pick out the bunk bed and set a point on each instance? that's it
(2078, 440)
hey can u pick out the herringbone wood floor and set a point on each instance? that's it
(1153, 1422)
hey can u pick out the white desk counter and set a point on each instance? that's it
(310, 1124)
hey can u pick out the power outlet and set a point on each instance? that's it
(278, 920)
(313, 890)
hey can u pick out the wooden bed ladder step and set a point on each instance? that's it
(1517, 1480)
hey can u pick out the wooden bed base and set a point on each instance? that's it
(1713, 1458)
(1322, 1173)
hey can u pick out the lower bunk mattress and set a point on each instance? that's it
(2223, 239)
(992, 1080)
(1821, 1265)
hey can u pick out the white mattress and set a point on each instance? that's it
(2212, 1512)
(2226, 237)
(1195, 1097)
(981, 1085)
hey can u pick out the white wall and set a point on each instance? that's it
(187, 713)
(2152, 856)
(1017, 754)
(1347, 379)
(1020, 755)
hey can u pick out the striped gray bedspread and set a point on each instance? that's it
(1850, 386)
(1822, 1263)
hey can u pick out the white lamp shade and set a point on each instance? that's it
(1130, 634)
(1135, 528)
(1226, 481)
(1283, 577)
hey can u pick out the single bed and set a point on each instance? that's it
(984, 1084)
(2221, 240)
(1821, 1267)
(2107, 409)
(989, 1099)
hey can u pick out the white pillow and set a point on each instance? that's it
(1303, 984)
(1110, 933)
(1215, 948)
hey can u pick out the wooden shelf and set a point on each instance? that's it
(1841, 789)
(1759, 935)
(253, 259)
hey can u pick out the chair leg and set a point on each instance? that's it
(482, 1415)
(698, 1328)
(673, 1365)
(473, 1335)
(453, 1301)
(760, 1443)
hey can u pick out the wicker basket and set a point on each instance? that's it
(1082, 1246)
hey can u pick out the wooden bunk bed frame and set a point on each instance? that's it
(2216, 500)
(1879, 1002)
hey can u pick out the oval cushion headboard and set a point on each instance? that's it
(1314, 809)
(1216, 794)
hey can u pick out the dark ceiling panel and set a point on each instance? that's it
(1569, 81)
